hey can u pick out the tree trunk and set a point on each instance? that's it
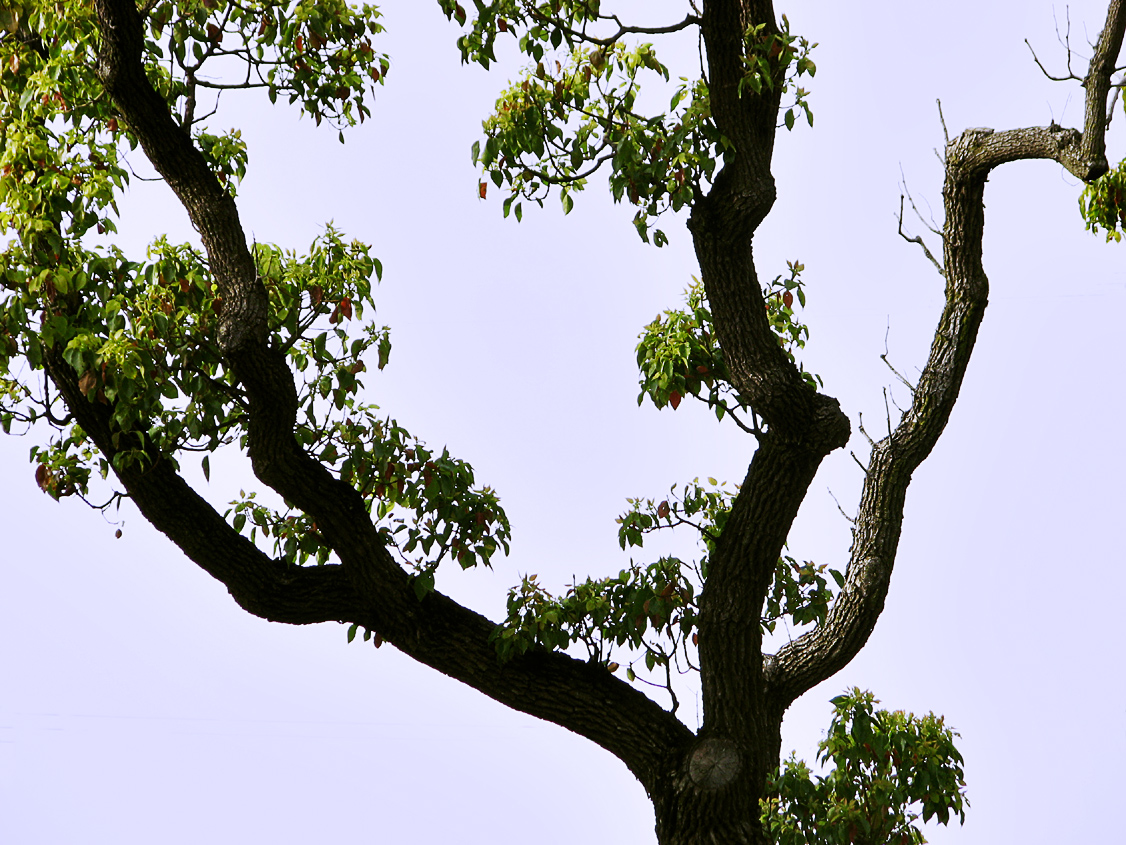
(712, 795)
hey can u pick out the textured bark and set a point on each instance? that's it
(368, 587)
(745, 695)
(706, 787)
(969, 160)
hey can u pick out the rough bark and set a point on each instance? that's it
(745, 695)
(368, 587)
(706, 787)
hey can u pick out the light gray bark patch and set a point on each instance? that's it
(714, 764)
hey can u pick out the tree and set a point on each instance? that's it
(788, 454)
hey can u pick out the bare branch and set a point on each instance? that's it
(918, 240)
(970, 159)
(848, 518)
(871, 442)
(863, 469)
(884, 358)
(1070, 76)
(623, 29)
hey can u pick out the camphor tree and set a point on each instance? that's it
(249, 346)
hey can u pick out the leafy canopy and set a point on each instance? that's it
(139, 333)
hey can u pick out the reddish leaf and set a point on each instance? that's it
(788, 299)
(663, 510)
(345, 308)
(42, 477)
(674, 400)
(482, 189)
(87, 382)
(117, 534)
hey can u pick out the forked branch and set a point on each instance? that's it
(368, 587)
(970, 158)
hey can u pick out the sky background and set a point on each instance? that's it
(139, 704)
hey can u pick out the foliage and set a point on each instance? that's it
(774, 55)
(575, 108)
(141, 336)
(679, 355)
(652, 611)
(1103, 203)
(889, 769)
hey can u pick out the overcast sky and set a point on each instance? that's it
(139, 704)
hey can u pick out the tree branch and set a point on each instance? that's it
(970, 158)
(368, 587)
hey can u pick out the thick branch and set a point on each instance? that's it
(1097, 83)
(723, 224)
(377, 593)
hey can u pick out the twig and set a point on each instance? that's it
(1065, 42)
(884, 358)
(848, 518)
(887, 411)
(1044, 70)
(1117, 89)
(871, 442)
(932, 225)
(863, 468)
(668, 686)
(918, 240)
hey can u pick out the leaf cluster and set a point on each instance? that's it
(773, 56)
(890, 769)
(141, 336)
(575, 108)
(679, 355)
(318, 54)
(652, 611)
(426, 505)
(566, 118)
(1103, 203)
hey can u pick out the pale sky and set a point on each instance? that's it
(139, 704)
